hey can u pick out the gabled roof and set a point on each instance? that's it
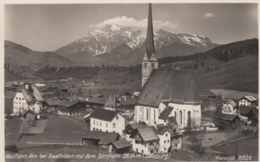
(103, 114)
(128, 101)
(121, 144)
(177, 86)
(161, 129)
(137, 125)
(249, 98)
(31, 94)
(110, 102)
(68, 103)
(104, 137)
(148, 133)
(228, 117)
(183, 88)
(165, 113)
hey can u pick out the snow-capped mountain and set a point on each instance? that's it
(107, 40)
(104, 39)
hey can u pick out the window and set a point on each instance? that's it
(154, 114)
(153, 64)
(136, 149)
(168, 141)
(165, 141)
(166, 134)
(142, 151)
(94, 122)
(116, 117)
(180, 117)
(22, 98)
(93, 129)
(106, 130)
(106, 125)
(114, 125)
(164, 149)
(146, 113)
(145, 65)
(19, 98)
(16, 97)
(100, 123)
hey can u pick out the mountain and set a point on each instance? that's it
(18, 54)
(103, 43)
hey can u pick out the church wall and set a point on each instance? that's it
(142, 112)
(181, 112)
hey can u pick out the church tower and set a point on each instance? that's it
(150, 61)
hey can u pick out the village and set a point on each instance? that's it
(169, 115)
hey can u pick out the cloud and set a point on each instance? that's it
(132, 22)
(207, 15)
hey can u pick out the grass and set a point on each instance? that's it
(239, 74)
(8, 105)
(58, 130)
(244, 147)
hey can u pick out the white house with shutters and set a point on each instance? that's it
(27, 97)
(247, 101)
(107, 121)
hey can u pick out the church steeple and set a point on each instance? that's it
(149, 61)
(149, 38)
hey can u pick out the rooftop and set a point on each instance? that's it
(177, 86)
(148, 133)
(103, 114)
(104, 137)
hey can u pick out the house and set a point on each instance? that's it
(111, 103)
(162, 138)
(107, 121)
(131, 129)
(126, 105)
(146, 140)
(248, 101)
(228, 120)
(99, 138)
(27, 97)
(121, 147)
(249, 115)
(229, 107)
(71, 108)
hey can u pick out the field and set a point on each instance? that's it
(240, 74)
(58, 130)
(244, 147)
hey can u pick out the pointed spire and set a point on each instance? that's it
(149, 38)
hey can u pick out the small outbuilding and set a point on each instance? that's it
(121, 147)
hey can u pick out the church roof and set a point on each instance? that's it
(176, 86)
(149, 39)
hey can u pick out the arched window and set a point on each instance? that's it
(180, 117)
(175, 114)
(146, 113)
(154, 114)
(189, 119)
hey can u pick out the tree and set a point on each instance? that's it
(202, 64)
(207, 69)
(27, 124)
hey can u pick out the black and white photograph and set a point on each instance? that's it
(130, 81)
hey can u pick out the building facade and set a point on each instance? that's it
(27, 97)
(107, 121)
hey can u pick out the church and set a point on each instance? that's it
(166, 92)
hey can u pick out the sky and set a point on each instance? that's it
(47, 27)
